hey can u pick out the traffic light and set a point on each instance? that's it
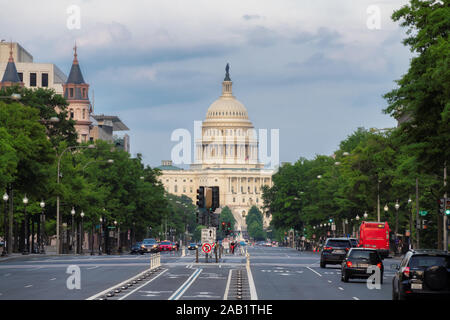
(208, 198)
(214, 220)
(201, 197)
(223, 226)
(444, 206)
(215, 198)
(331, 220)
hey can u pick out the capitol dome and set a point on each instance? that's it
(227, 106)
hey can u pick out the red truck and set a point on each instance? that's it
(375, 235)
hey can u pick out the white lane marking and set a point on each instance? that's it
(329, 281)
(251, 283)
(52, 279)
(134, 290)
(314, 271)
(227, 288)
(28, 286)
(355, 298)
(92, 268)
(181, 290)
(340, 288)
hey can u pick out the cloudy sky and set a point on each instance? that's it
(315, 70)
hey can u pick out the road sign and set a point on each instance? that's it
(423, 213)
(206, 247)
(209, 235)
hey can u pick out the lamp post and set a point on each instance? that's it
(41, 228)
(386, 208)
(365, 215)
(58, 218)
(397, 206)
(100, 237)
(378, 201)
(5, 199)
(410, 221)
(81, 233)
(115, 231)
(26, 249)
(72, 212)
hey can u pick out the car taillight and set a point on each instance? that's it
(406, 272)
(346, 249)
(328, 248)
(379, 265)
(349, 264)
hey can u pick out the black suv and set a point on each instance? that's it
(358, 261)
(422, 273)
(334, 251)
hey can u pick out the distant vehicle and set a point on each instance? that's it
(165, 246)
(357, 261)
(242, 243)
(375, 235)
(267, 244)
(422, 273)
(150, 245)
(137, 248)
(354, 242)
(192, 246)
(334, 251)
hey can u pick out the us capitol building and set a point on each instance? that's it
(226, 156)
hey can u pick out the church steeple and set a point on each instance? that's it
(75, 75)
(11, 77)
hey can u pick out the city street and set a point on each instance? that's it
(275, 274)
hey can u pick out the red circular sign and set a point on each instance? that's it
(206, 248)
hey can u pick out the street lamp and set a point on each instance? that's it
(72, 212)
(115, 231)
(81, 232)
(319, 177)
(5, 199)
(41, 230)
(357, 218)
(397, 206)
(365, 215)
(100, 237)
(26, 249)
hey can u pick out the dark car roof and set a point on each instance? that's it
(430, 251)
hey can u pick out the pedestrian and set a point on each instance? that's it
(232, 247)
(177, 245)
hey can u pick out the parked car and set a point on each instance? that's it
(192, 246)
(165, 246)
(150, 245)
(422, 273)
(358, 261)
(334, 251)
(137, 248)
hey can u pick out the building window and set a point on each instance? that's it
(71, 92)
(84, 113)
(44, 80)
(32, 79)
(176, 189)
(190, 189)
(71, 113)
(84, 92)
(256, 200)
(243, 199)
(184, 189)
(20, 74)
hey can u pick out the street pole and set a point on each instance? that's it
(5, 243)
(27, 243)
(445, 242)
(378, 202)
(417, 214)
(42, 228)
(10, 228)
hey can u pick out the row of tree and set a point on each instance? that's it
(102, 182)
(393, 164)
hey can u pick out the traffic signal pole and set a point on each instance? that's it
(445, 214)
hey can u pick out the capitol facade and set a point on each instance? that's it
(226, 155)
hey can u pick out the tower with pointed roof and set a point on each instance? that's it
(10, 77)
(76, 92)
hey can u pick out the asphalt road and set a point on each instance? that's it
(274, 274)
